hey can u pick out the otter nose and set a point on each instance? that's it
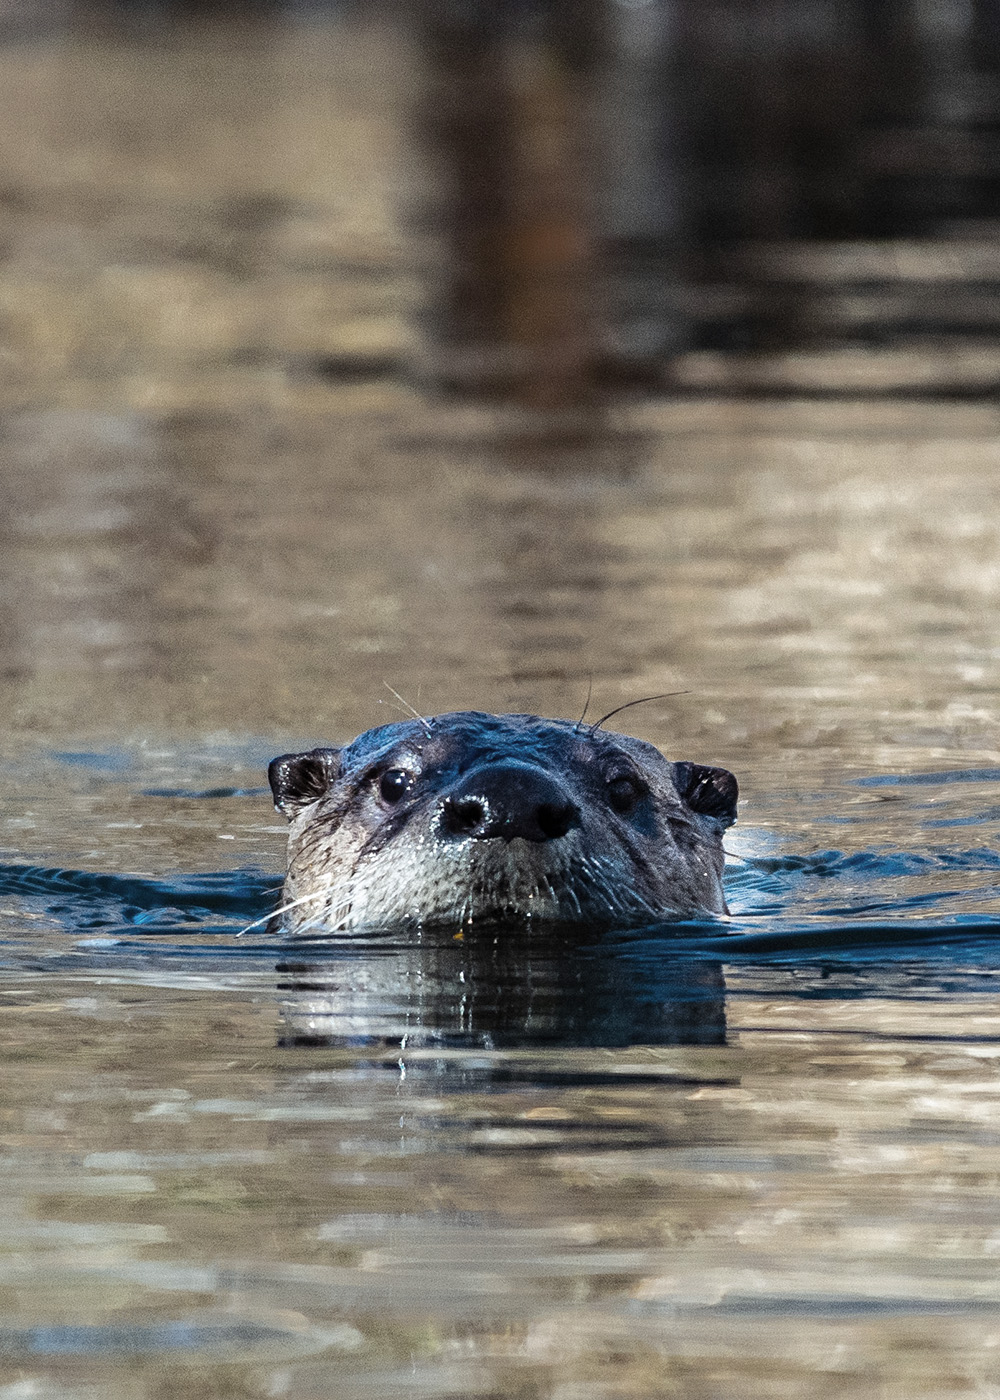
(507, 800)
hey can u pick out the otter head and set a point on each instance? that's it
(473, 818)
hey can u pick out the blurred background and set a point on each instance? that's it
(531, 199)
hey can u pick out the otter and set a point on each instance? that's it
(467, 819)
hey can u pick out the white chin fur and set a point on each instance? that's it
(521, 880)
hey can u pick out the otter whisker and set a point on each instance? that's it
(665, 695)
(282, 909)
(597, 875)
(398, 708)
(586, 706)
(409, 708)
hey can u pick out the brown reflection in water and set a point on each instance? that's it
(507, 116)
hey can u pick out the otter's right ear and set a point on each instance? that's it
(297, 779)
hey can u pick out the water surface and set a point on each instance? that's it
(757, 1158)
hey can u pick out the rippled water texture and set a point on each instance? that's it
(757, 1159)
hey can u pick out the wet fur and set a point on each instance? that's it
(355, 863)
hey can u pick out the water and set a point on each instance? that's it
(754, 1159)
(758, 1158)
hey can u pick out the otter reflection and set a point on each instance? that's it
(495, 989)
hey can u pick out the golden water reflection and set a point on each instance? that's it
(811, 1206)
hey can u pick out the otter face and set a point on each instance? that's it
(472, 818)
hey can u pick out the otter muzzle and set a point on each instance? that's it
(504, 800)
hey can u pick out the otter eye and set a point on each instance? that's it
(624, 792)
(394, 784)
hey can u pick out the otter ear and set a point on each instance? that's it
(710, 791)
(300, 778)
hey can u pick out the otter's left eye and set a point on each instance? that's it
(394, 784)
(624, 792)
